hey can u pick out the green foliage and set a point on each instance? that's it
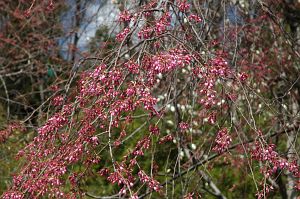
(8, 163)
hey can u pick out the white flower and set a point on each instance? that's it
(193, 146)
(159, 75)
(172, 109)
(170, 122)
(181, 154)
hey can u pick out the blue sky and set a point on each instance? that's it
(97, 13)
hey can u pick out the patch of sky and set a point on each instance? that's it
(95, 13)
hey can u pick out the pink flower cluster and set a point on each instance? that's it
(183, 126)
(215, 69)
(122, 176)
(39, 181)
(58, 100)
(170, 60)
(53, 124)
(118, 141)
(162, 24)
(209, 93)
(195, 18)
(145, 33)
(165, 139)
(132, 67)
(222, 141)
(13, 195)
(267, 153)
(141, 146)
(219, 67)
(266, 190)
(152, 184)
(122, 35)
(154, 130)
(212, 118)
(161, 63)
(183, 6)
(243, 77)
(125, 16)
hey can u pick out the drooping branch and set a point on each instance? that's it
(214, 156)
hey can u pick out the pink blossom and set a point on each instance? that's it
(153, 184)
(165, 139)
(222, 141)
(125, 16)
(154, 130)
(243, 77)
(146, 32)
(195, 18)
(184, 6)
(122, 35)
(183, 126)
